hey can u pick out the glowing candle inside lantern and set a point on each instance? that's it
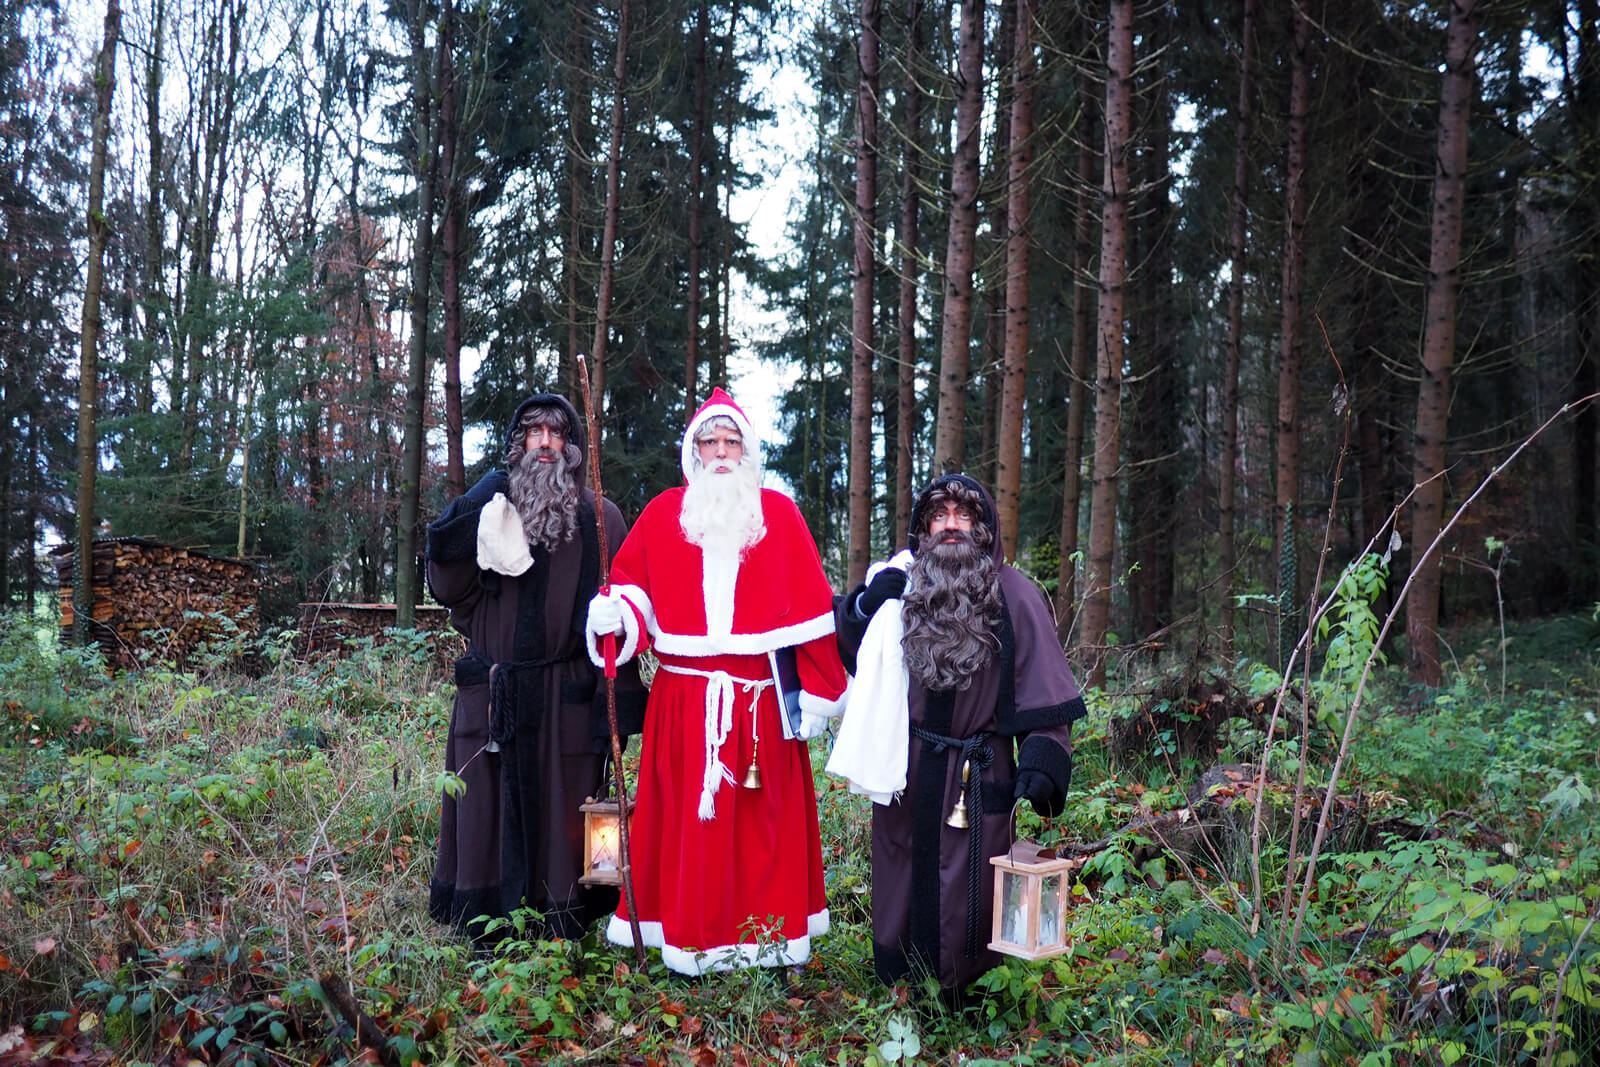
(603, 848)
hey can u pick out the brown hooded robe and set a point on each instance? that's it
(932, 885)
(528, 734)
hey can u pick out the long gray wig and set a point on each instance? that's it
(545, 494)
(952, 599)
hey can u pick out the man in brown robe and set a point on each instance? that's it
(986, 688)
(516, 560)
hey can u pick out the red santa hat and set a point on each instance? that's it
(718, 403)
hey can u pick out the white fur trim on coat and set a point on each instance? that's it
(758, 644)
(632, 597)
(793, 951)
(719, 576)
(811, 704)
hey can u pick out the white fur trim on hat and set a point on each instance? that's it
(719, 403)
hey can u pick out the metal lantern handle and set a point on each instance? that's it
(1011, 830)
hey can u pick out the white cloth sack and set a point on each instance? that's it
(502, 543)
(870, 750)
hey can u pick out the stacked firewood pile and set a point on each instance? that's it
(156, 603)
(333, 629)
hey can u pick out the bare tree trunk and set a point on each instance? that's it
(1583, 106)
(1008, 462)
(1083, 303)
(579, 136)
(1110, 328)
(406, 590)
(1288, 427)
(242, 354)
(88, 446)
(990, 287)
(955, 340)
(697, 207)
(451, 140)
(381, 472)
(862, 305)
(724, 272)
(219, 92)
(10, 500)
(34, 487)
(1151, 489)
(1439, 339)
(910, 209)
(990, 367)
(608, 241)
(155, 311)
(1227, 552)
(244, 457)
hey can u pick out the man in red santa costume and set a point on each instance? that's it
(723, 580)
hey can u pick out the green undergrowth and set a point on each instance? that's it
(217, 867)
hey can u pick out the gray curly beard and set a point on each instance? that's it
(951, 611)
(546, 494)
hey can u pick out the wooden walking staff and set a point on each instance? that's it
(608, 647)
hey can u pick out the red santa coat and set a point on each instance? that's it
(743, 886)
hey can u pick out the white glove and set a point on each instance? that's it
(812, 725)
(605, 613)
(502, 543)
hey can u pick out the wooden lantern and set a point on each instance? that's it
(1032, 887)
(602, 841)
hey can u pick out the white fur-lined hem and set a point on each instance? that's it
(793, 952)
(741, 644)
(811, 704)
(631, 628)
(641, 602)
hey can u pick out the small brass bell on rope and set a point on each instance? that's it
(958, 814)
(752, 774)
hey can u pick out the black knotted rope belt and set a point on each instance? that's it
(503, 697)
(976, 751)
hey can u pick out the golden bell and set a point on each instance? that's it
(752, 774)
(958, 814)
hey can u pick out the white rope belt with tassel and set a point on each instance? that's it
(719, 723)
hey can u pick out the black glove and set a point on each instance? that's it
(888, 585)
(1039, 790)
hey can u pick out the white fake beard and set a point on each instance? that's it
(722, 512)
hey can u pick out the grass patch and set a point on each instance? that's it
(225, 868)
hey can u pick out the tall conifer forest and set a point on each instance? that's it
(1282, 286)
(1273, 326)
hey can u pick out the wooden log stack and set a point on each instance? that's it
(157, 603)
(331, 629)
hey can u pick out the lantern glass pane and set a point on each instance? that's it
(1014, 909)
(603, 846)
(1050, 910)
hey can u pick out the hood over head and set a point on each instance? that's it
(576, 433)
(964, 486)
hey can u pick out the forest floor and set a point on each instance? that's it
(209, 867)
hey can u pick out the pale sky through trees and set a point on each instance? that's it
(773, 150)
